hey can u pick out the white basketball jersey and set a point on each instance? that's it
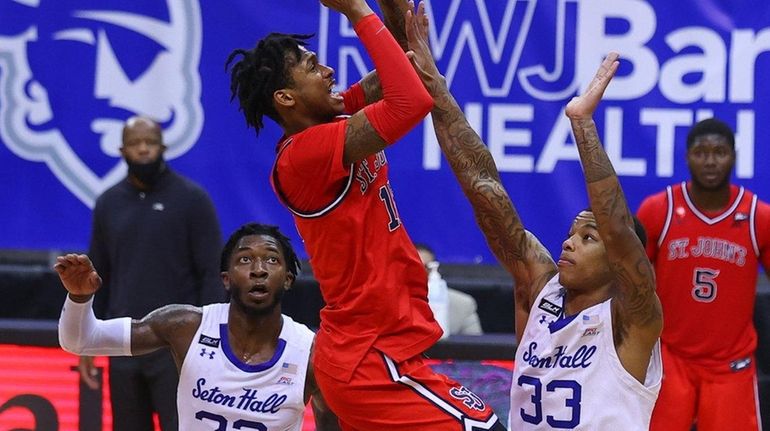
(219, 392)
(568, 376)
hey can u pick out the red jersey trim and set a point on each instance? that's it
(307, 214)
(703, 217)
(753, 225)
(669, 215)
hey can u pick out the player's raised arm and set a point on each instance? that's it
(80, 332)
(637, 316)
(393, 14)
(520, 252)
(404, 101)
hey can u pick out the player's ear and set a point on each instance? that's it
(284, 97)
(225, 280)
(289, 281)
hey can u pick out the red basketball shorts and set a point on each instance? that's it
(385, 395)
(718, 400)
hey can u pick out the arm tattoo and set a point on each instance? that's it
(477, 174)
(371, 86)
(393, 12)
(635, 280)
(596, 164)
(361, 139)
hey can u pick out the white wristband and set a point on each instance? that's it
(80, 332)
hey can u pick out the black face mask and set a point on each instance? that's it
(147, 173)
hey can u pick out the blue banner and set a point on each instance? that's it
(72, 71)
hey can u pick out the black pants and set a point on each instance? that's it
(142, 385)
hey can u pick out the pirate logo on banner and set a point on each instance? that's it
(72, 72)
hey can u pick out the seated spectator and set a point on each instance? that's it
(454, 310)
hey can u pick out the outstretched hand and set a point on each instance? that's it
(582, 107)
(394, 16)
(419, 54)
(78, 275)
(354, 10)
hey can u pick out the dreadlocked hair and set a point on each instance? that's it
(260, 72)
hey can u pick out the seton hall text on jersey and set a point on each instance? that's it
(560, 358)
(366, 174)
(716, 248)
(247, 401)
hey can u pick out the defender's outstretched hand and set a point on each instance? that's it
(419, 49)
(394, 16)
(78, 275)
(582, 107)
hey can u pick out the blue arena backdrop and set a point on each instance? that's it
(71, 72)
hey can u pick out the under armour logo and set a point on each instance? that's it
(157, 206)
(204, 353)
(542, 319)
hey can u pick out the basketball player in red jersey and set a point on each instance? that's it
(332, 174)
(706, 239)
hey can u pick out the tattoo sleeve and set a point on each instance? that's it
(516, 249)
(361, 131)
(370, 83)
(393, 16)
(634, 275)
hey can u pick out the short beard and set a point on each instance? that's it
(258, 311)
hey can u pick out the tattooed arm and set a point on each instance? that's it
(637, 316)
(370, 83)
(394, 17)
(171, 326)
(403, 102)
(80, 332)
(520, 252)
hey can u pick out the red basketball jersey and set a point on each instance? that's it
(371, 277)
(706, 267)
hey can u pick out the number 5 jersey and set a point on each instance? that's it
(706, 264)
(568, 375)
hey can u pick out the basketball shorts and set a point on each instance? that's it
(385, 395)
(716, 401)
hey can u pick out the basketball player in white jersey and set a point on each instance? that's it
(588, 326)
(243, 365)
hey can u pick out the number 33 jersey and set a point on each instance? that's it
(217, 391)
(568, 376)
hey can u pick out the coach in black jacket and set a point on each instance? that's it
(155, 241)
